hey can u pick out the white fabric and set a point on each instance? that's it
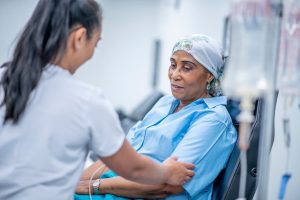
(42, 156)
(206, 50)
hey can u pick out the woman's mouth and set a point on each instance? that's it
(175, 87)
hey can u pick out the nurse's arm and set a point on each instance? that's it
(128, 163)
(95, 170)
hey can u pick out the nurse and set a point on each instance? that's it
(50, 120)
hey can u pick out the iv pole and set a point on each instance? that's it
(268, 117)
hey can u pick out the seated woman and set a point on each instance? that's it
(192, 124)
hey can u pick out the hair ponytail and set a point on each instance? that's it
(43, 41)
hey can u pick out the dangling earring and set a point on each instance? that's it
(208, 86)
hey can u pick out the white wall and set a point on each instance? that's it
(122, 63)
(13, 16)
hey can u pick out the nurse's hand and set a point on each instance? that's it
(178, 172)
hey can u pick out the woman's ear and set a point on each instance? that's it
(210, 77)
(79, 38)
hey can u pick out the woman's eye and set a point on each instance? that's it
(172, 66)
(187, 68)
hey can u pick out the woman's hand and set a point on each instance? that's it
(178, 172)
(83, 187)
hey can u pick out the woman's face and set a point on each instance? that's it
(188, 78)
(79, 49)
(91, 44)
(83, 46)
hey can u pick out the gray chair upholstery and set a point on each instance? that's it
(128, 120)
(226, 186)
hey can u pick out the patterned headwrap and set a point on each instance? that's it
(208, 53)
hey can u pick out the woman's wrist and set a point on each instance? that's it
(105, 186)
(96, 185)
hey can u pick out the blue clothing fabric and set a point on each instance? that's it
(201, 133)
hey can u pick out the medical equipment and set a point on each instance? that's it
(248, 75)
(90, 181)
(226, 186)
(289, 60)
(289, 76)
(245, 74)
(287, 140)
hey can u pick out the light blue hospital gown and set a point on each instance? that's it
(201, 133)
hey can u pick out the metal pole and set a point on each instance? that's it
(266, 136)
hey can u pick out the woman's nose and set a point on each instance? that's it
(175, 74)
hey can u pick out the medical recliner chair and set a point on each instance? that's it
(226, 185)
(128, 120)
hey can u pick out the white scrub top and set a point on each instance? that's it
(42, 157)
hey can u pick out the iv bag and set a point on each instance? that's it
(289, 55)
(245, 73)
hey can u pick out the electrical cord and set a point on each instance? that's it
(90, 181)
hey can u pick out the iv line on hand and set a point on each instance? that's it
(90, 181)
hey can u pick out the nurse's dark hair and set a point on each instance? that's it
(43, 41)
